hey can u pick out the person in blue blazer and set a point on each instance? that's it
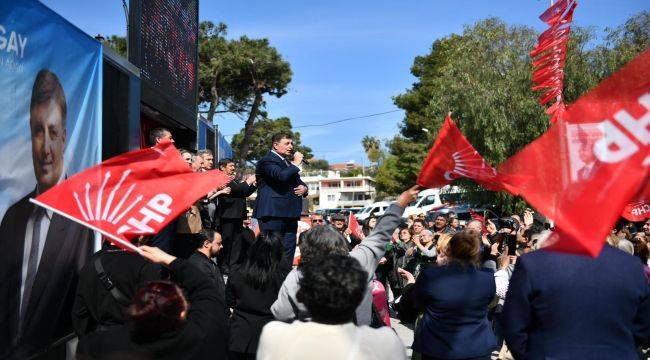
(564, 306)
(454, 298)
(280, 191)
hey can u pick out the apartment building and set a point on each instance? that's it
(328, 190)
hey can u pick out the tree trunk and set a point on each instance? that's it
(248, 128)
(215, 101)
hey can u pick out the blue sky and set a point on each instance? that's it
(348, 57)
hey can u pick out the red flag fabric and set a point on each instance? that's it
(637, 211)
(589, 165)
(453, 157)
(476, 216)
(133, 194)
(354, 227)
(549, 55)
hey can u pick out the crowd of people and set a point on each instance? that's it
(224, 282)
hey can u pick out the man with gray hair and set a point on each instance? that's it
(208, 159)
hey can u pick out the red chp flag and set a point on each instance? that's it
(481, 218)
(453, 157)
(354, 227)
(589, 165)
(639, 208)
(637, 211)
(549, 55)
(133, 194)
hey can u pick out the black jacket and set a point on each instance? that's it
(211, 270)
(95, 305)
(233, 205)
(252, 309)
(204, 335)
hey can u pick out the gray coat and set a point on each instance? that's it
(287, 308)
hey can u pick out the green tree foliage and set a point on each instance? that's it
(237, 74)
(260, 138)
(372, 147)
(318, 164)
(484, 76)
(117, 43)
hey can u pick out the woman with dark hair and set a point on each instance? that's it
(323, 240)
(369, 225)
(454, 298)
(331, 297)
(163, 322)
(252, 287)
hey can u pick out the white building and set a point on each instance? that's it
(328, 190)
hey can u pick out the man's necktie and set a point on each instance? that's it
(32, 266)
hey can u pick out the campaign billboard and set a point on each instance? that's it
(50, 95)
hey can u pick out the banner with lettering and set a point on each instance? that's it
(51, 101)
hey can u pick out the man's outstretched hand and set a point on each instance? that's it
(156, 255)
(408, 196)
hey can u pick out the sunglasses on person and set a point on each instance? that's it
(319, 221)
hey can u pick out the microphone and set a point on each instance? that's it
(305, 162)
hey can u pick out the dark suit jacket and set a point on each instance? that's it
(94, 305)
(204, 335)
(233, 205)
(455, 300)
(275, 183)
(67, 246)
(562, 306)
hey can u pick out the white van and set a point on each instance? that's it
(426, 201)
(376, 209)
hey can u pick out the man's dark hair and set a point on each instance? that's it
(442, 216)
(224, 162)
(47, 87)
(320, 241)
(332, 287)
(156, 133)
(203, 236)
(279, 136)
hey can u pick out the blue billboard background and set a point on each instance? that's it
(32, 37)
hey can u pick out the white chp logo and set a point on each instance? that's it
(468, 163)
(154, 210)
(615, 145)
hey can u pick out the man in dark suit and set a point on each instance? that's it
(231, 212)
(280, 191)
(562, 306)
(208, 246)
(40, 251)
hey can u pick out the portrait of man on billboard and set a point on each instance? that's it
(40, 251)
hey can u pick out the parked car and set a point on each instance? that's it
(355, 210)
(462, 213)
(376, 209)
